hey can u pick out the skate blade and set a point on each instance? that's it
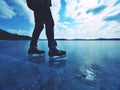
(56, 57)
(35, 55)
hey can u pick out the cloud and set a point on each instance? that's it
(56, 6)
(99, 1)
(78, 24)
(74, 18)
(96, 10)
(20, 7)
(20, 31)
(13, 8)
(113, 18)
(6, 11)
(117, 2)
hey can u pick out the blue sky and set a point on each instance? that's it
(87, 19)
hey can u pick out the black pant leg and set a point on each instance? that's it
(38, 28)
(49, 24)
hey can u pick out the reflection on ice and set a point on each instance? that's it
(36, 58)
(87, 74)
(90, 75)
(57, 61)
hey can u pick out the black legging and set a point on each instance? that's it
(43, 17)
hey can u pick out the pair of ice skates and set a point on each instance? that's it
(54, 52)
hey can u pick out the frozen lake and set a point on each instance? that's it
(89, 65)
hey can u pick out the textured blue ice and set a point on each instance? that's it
(89, 65)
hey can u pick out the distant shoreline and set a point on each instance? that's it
(56, 39)
(84, 39)
(4, 35)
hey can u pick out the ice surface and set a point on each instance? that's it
(89, 65)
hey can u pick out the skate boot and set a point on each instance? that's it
(56, 52)
(35, 51)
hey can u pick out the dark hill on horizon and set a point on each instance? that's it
(4, 35)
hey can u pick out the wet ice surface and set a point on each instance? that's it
(89, 65)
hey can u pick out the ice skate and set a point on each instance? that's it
(57, 53)
(33, 51)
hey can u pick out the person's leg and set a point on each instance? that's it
(37, 30)
(49, 25)
(52, 44)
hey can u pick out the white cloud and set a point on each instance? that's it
(88, 25)
(20, 32)
(17, 7)
(83, 26)
(21, 7)
(56, 6)
(6, 11)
